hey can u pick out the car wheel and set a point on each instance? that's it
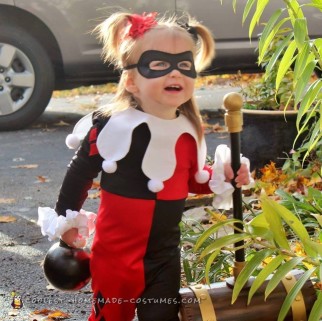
(26, 78)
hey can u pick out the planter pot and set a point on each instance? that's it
(267, 136)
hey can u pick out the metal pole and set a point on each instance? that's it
(233, 119)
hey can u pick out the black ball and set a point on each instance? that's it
(67, 268)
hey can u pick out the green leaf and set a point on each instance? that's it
(316, 247)
(310, 96)
(187, 270)
(210, 260)
(294, 10)
(315, 138)
(293, 293)
(315, 194)
(280, 274)
(247, 271)
(293, 222)
(318, 45)
(248, 7)
(234, 5)
(221, 242)
(212, 230)
(261, 5)
(300, 32)
(268, 28)
(275, 57)
(301, 60)
(316, 310)
(258, 226)
(317, 4)
(259, 221)
(263, 275)
(270, 210)
(303, 79)
(286, 62)
(265, 40)
(318, 217)
(271, 23)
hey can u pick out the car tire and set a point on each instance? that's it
(26, 78)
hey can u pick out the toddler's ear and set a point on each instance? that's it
(130, 84)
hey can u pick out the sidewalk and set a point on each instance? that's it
(208, 99)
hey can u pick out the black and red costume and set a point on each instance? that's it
(150, 165)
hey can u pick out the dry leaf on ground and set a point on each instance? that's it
(27, 166)
(42, 179)
(94, 195)
(213, 128)
(51, 314)
(96, 185)
(7, 200)
(7, 219)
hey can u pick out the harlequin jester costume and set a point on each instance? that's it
(150, 165)
(137, 233)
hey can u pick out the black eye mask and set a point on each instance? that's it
(174, 60)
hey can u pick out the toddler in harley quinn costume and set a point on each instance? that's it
(151, 148)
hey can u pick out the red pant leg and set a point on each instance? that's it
(117, 267)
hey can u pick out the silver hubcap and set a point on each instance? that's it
(17, 79)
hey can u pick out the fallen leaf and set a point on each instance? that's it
(217, 127)
(59, 315)
(96, 185)
(7, 200)
(213, 128)
(92, 196)
(51, 314)
(218, 217)
(28, 166)
(318, 285)
(42, 179)
(7, 219)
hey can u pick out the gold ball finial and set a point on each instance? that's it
(233, 103)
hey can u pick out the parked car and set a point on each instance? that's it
(47, 45)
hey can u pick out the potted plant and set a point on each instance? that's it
(269, 115)
(273, 235)
(289, 59)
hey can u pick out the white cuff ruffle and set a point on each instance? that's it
(222, 189)
(54, 225)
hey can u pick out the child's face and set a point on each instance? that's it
(162, 89)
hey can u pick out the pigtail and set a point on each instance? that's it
(205, 53)
(206, 47)
(110, 33)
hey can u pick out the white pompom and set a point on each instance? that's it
(155, 186)
(202, 177)
(109, 166)
(72, 141)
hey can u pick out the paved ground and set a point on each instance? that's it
(23, 189)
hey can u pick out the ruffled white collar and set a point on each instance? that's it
(159, 161)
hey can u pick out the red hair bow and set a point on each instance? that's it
(139, 24)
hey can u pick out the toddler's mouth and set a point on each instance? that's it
(173, 88)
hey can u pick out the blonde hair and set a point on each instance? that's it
(119, 50)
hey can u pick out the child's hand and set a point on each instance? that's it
(73, 238)
(242, 174)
